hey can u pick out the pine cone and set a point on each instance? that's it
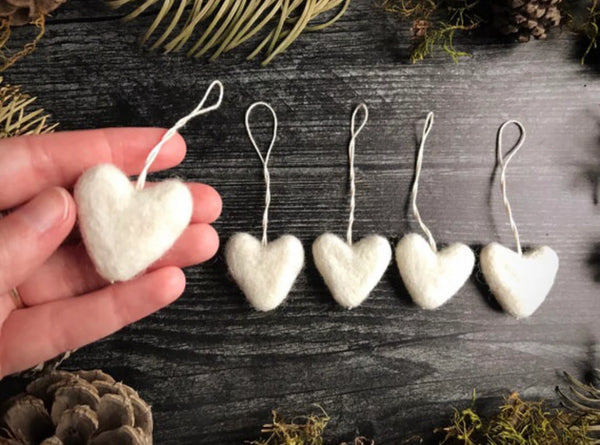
(79, 408)
(526, 18)
(22, 12)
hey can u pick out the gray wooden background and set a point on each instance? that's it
(212, 367)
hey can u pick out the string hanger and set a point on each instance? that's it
(264, 160)
(503, 162)
(415, 189)
(351, 146)
(199, 110)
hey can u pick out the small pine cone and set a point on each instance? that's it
(22, 12)
(79, 408)
(524, 19)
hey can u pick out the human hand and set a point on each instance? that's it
(66, 303)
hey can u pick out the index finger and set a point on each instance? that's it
(30, 164)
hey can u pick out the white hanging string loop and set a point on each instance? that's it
(141, 181)
(264, 160)
(503, 162)
(415, 189)
(351, 146)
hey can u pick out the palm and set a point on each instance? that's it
(49, 273)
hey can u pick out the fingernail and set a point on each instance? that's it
(47, 210)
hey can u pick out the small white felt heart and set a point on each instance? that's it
(432, 278)
(520, 283)
(125, 230)
(351, 272)
(265, 273)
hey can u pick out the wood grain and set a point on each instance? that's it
(210, 366)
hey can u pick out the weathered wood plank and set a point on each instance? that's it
(213, 368)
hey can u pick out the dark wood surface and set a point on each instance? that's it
(212, 367)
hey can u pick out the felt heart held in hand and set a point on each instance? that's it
(351, 271)
(264, 272)
(125, 230)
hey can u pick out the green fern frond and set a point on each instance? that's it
(219, 26)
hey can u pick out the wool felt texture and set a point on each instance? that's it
(432, 277)
(125, 229)
(264, 272)
(520, 283)
(351, 271)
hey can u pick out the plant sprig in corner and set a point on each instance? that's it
(304, 430)
(17, 118)
(519, 422)
(587, 26)
(435, 23)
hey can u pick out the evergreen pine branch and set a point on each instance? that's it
(16, 116)
(218, 26)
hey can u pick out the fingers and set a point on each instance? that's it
(197, 244)
(70, 272)
(58, 159)
(207, 203)
(30, 234)
(39, 333)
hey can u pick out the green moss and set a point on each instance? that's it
(515, 422)
(586, 25)
(520, 422)
(9, 57)
(304, 430)
(436, 23)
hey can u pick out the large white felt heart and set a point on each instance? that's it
(351, 272)
(265, 273)
(125, 230)
(432, 278)
(520, 283)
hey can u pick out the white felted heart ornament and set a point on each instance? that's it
(431, 277)
(520, 283)
(264, 272)
(351, 271)
(125, 230)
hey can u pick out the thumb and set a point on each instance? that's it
(30, 234)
